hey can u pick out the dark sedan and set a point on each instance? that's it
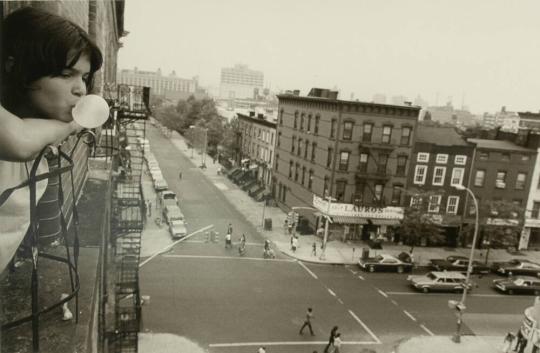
(458, 263)
(386, 263)
(518, 285)
(517, 267)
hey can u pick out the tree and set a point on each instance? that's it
(418, 226)
(169, 117)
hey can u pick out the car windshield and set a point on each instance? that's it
(431, 276)
(519, 281)
(378, 258)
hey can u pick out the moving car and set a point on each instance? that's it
(522, 285)
(385, 263)
(444, 281)
(458, 263)
(172, 213)
(177, 228)
(517, 267)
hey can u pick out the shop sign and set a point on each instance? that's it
(502, 222)
(350, 210)
(532, 222)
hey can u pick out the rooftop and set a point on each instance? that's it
(499, 145)
(439, 135)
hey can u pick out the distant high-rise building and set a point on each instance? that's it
(379, 98)
(240, 82)
(170, 87)
(399, 100)
(419, 101)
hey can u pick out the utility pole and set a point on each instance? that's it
(329, 200)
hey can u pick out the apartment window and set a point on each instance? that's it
(401, 165)
(302, 117)
(306, 149)
(505, 157)
(457, 176)
(416, 201)
(405, 135)
(309, 123)
(422, 157)
(434, 203)
(313, 150)
(535, 213)
(325, 185)
(276, 162)
(366, 132)
(278, 139)
(452, 204)
(329, 157)
(299, 151)
(420, 174)
(340, 189)
(386, 134)
(396, 194)
(291, 163)
(362, 166)
(441, 158)
(460, 160)
(520, 181)
(347, 130)
(500, 181)
(316, 129)
(344, 160)
(332, 128)
(358, 197)
(295, 119)
(281, 116)
(525, 157)
(293, 144)
(484, 156)
(382, 162)
(303, 175)
(479, 178)
(310, 179)
(438, 175)
(296, 167)
(378, 192)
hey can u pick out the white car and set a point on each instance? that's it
(168, 198)
(177, 228)
(446, 281)
(160, 184)
(172, 213)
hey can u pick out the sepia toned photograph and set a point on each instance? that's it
(302, 176)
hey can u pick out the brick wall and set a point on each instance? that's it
(99, 18)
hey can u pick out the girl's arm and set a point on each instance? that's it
(22, 139)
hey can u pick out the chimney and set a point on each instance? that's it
(251, 113)
(260, 116)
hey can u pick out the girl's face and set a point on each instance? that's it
(53, 97)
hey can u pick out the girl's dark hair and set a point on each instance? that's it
(41, 44)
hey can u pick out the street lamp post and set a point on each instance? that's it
(329, 199)
(460, 307)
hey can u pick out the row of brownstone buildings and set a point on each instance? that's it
(364, 163)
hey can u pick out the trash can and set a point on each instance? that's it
(268, 223)
(365, 253)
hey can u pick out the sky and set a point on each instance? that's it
(484, 54)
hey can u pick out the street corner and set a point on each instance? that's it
(444, 344)
(167, 343)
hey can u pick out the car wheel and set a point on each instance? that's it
(509, 273)
(425, 289)
(537, 292)
(400, 269)
(371, 268)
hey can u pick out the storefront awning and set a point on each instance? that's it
(385, 222)
(348, 220)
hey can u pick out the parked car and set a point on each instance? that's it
(517, 267)
(444, 281)
(172, 213)
(518, 285)
(458, 263)
(168, 198)
(385, 263)
(177, 228)
(160, 184)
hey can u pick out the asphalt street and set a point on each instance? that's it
(231, 303)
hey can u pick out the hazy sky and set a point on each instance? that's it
(485, 51)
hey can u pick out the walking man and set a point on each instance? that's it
(314, 249)
(307, 321)
(331, 339)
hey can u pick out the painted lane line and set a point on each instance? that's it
(227, 258)
(362, 278)
(330, 291)
(170, 246)
(440, 294)
(427, 330)
(365, 327)
(382, 293)
(340, 301)
(290, 343)
(307, 269)
(394, 302)
(409, 315)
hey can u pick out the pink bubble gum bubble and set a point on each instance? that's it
(91, 111)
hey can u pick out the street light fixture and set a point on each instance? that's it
(329, 199)
(460, 307)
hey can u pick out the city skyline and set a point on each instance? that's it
(432, 49)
